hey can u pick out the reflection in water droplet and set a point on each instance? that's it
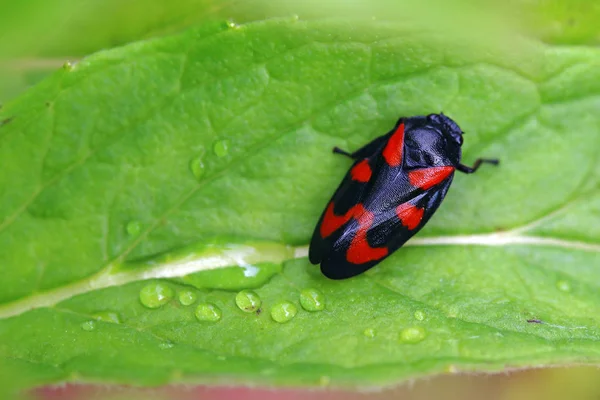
(165, 345)
(283, 311)
(108, 316)
(250, 271)
(133, 228)
(248, 301)
(312, 300)
(221, 148)
(369, 332)
(88, 326)
(419, 315)
(563, 286)
(208, 312)
(197, 167)
(413, 334)
(156, 294)
(187, 297)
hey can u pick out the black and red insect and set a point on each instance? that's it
(393, 188)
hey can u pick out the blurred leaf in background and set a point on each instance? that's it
(38, 36)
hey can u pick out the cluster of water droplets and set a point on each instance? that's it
(197, 166)
(157, 294)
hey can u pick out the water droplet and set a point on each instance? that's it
(232, 25)
(156, 294)
(133, 228)
(221, 148)
(248, 301)
(369, 332)
(312, 300)
(413, 334)
(197, 167)
(283, 311)
(68, 66)
(88, 326)
(452, 312)
(187, 297)
(165, 345)
(563, 286)
(108, 316)
(419, 315)
(208, 312)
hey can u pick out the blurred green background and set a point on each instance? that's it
(39, 36)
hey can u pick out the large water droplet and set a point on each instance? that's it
(156, 294)
(221, 148)
(369, 332)
(133, 228)
(208, 312)
(108, 316)
(413, 334)
(233, 278)
(197, 167)
(248, 301)
(283, 311)
(187, 297)
(563, 286)
(419, 315)
(312, 300)
(88, 326)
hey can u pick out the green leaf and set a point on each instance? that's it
(201, 162)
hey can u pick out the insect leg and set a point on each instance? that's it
(337, 150)
(366, 151)
(469, 170)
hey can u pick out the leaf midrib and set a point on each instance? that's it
(106, 277)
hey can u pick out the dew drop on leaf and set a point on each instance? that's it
(283, 311)
(108, 316)
(166, 345)
(208, 312)
(88, 326)
(312, 300)
(419, 315)
(187, 297)
(369, 332)
(221, 148)
(413, 334)
(248, 301)
(155, 295)
(133, 228)
(563, 286)
(197, 167)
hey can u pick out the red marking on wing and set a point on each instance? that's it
(409, 215)
(332, 222)
(361, 172)
(360, 251)
(429, 177)
(392, 153)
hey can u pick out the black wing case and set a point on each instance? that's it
(337, 219)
